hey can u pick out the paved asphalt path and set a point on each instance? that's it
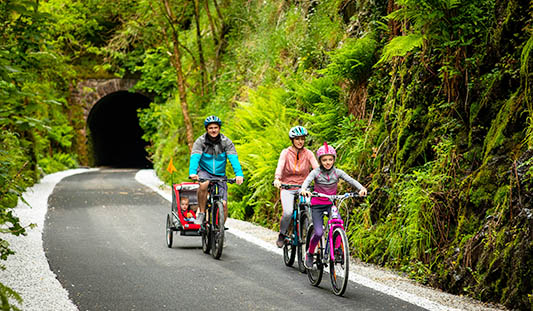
(104, 237)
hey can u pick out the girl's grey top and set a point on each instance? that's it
(326, 182)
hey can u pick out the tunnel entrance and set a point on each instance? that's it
(115, 133)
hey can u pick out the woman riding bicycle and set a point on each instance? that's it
(326, 178)
(294, 164)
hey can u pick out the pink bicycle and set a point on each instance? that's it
(333, 251)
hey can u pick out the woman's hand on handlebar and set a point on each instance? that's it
(239, 180)
(305, 193)
(193, 177)
(362, 192)
(277, 183)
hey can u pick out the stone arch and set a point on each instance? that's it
(108, 106)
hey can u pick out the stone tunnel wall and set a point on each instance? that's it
(83, 97)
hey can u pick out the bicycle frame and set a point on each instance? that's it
(332, 224)
(213, 227)
(213, 194)
(296, 221)
(294, 240)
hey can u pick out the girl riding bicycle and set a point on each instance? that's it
(294, 164)
(326, 178)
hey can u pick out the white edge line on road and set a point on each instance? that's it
(148, 178)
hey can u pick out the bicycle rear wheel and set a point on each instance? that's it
(339, 267)
(315, 273)
(302, 231)
(218, 230)
(169, 231)
(289, 249)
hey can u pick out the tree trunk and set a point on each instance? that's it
(219, 39)
(176, 59)
(203, 71)
(211, 23)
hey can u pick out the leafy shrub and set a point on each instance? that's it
(353, 60)
(58, 162)
(259, 129)
(321, 98)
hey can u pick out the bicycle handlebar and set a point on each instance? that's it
(288, 186)
(336, 196)
(224, 179)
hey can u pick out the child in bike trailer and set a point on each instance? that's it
(186, 209)
(326, 178)
(294, 164)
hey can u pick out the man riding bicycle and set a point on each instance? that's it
(209, 156)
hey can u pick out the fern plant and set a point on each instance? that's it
(353, 60)
(259, 130)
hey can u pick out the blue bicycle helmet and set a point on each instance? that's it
(297, 131)
(212, 119)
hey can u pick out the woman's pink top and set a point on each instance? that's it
(294, 165)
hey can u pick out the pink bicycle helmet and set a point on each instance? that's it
(326, 150)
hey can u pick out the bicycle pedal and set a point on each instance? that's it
(226, 228)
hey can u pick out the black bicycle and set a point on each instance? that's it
(296, 233)
(213, 227)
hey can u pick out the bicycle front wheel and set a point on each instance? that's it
(302, 231)
(315, 273)
(289, 249)
(206, 237)
(339, 266)
(218, 230)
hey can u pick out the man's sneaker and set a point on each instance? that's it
(308, 260)
(281, 240)
(199, 219)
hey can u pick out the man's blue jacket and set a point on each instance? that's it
(212, 156)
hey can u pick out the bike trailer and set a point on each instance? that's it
(188, 190)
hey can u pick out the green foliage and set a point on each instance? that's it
(158, 75)
(34, 127)
(320, 96)
(400, 46)
(259, 129)
(526, 78)
(164, 129)
(407, 233)
(58, 162)
(7, 294)
(353, 60)
(495, 136)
